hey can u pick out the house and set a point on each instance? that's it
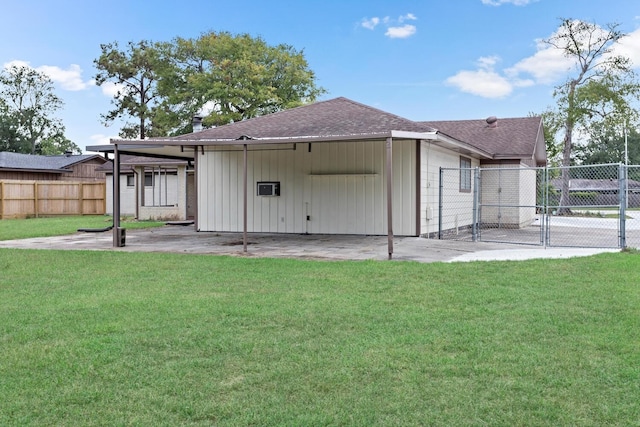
(337, 167)
(153, 188)
(66, 167)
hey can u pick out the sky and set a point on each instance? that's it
(420, 59)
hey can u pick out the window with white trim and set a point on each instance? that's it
(465, 174)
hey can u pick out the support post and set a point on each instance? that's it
(195, 188)
(440, 199)
(476, 203)
(116, 197)
(622, 197)
(244, 184)
(390, 197)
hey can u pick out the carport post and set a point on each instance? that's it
(244, 213)
(116, 197)
(390, 197)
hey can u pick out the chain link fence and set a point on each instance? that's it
(457, 214)
(577, 206)
(632, 208)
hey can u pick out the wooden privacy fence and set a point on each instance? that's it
(24, 199)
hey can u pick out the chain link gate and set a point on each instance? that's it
(510, 204)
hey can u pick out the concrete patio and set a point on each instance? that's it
(184, 239)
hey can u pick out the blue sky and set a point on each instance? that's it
(423, 60)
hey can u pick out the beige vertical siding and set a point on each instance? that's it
(339, 186)
(432, 159)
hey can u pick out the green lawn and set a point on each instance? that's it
(111, 338)
(58, 226)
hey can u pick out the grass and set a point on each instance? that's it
(58, 226)
(111, 338)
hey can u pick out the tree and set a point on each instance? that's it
(27, 106)
(607, 145)
(221, 76)
(598, 91)
(133, 73)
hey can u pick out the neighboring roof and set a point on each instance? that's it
(594, 184)
(335, 117)
(53, 164)
(128, 162)
(520, 137)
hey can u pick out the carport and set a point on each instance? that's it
(188, 149)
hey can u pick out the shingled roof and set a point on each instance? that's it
(343, 119)
(517, 138)
(335, 117)
(55, 164)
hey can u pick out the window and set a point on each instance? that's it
(131, 182)
(148, 179)
(465, 174)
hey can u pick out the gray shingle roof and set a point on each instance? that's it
(335, 117)
(17, 161)
(510, 137)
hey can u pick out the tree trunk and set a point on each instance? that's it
(566, 149)
(566, 162)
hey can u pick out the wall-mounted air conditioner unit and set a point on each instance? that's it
(268, 188)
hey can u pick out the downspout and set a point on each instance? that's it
(136, 178)
(390, 197)
(244, 184)
(418, 189)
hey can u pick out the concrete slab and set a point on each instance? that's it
(184, 239)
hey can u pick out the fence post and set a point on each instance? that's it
(35, 198)
(476, 203)
(622, 198)
(440, 195)
(81, 198)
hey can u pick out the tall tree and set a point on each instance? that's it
(221, 76)
(133, 75)
(229, 78)
(600, 87)
(27, 107)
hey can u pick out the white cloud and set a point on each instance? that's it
(546, 66)
(394, 27)
(370, 24)
(111, 89)
(484, 82)
(407, 17)
(629, 47)
(401, 32)
(69, 79)
(501, 2)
